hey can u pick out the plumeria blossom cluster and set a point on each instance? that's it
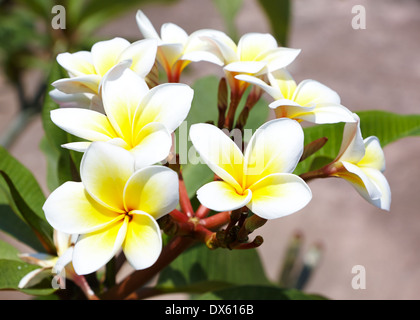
(128, 193)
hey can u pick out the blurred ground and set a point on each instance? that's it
(375, 68)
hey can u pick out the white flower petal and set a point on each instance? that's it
(384, 202)
(225, 46)
(146, 27)
(105, 54)
(279, 58)
(272, 91)
(34, 277)
(253, 45)
(221, 196)
(77, 64)
(327, 113)
(153, 144)
(122, 92)
(251, 67)
(142, 54)
(171, 33)
(83, 123)
(94, 250)
(167, 103)
(278, 195)
(80, 84)
(71, 100)
(311, 92)
(360, 181)
(143, 242)
(352, 146)
(168, 54)
(153, 190)
(70, 209)
(77, 146)
(374, 155)
(219, 152)
(276, 147)
(104, 170)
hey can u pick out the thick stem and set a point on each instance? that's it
(139, 278)
(324, 172)
(202, 212)
(217, 220)
(184, 199)
(235, 98)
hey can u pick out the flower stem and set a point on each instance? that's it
(217, 220)
(140, 277)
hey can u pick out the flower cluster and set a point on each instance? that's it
(127, 127)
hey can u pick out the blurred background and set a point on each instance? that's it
(373, 68)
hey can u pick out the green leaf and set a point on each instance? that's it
(8, 252)
(229, 10)
(387, 126)
(12, 225)
(24, 181)
(12, 272)
(39, 225)
(255, 292)
(214, 268)
(279, 15)
(60, 164)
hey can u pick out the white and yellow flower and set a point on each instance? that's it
(176, 49)
(260, 179)
(309, 100)
(256, 54)
(362, 163)
(87, 68)
(50, 264)
(136, 118)
(113, 207)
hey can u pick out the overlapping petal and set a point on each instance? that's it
(278, 195)
(72, 210)
(151, 190)
(143, 241)
(219, 152)
(93, 250)
(222, 196)
(105, 170)
(276, 147)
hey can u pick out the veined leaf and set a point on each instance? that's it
(24, 181)
(201, 265)
(13, 271)
(39, 225)
(387, 126)
(15, 227)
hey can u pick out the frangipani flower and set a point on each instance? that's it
(176, 49)
(261, 179)
(309, 100)
(362, 163)
(136, 118)
(114, 206)
(256, 54)
(87, 69)
(50, 264)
